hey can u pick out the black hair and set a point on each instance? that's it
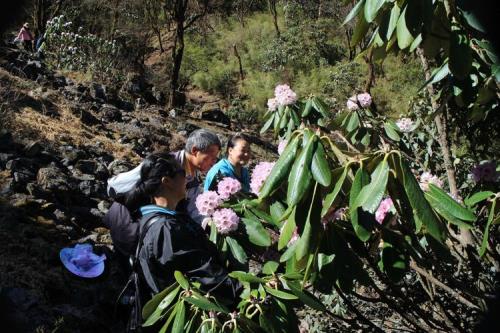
(232, 141)
(154, 167)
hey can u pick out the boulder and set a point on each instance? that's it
(53, 178)
(215, 114)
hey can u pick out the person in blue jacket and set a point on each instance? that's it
(238, 155)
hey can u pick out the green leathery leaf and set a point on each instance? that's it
(289, 253)
(320, 106)
(179, 277)
(460, 54)
(319, 167)
(391, 132)
(300, 178)
(360, 29)
(280, 169)
(486, 233)
(438, 207)
(393, 21)
(307, 108)
(280, 294)
(308, 239)
(287, 231)
(204, 303)
(277, 209)
(449, 204)
(354, 11)
(371, 9)
(180, 318)
(405, 38)
(478, 197)
(330, 197)
(171, 317)
(236, 249)
(370, 196)
(268, 123)
(421, 207)
(154, 303)
(246, 277)
(352, 122)
(257, 234)
(270, 267)
(306, 297)
(361, 179)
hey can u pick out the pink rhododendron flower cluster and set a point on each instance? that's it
(284, 95)
(427, 178)
(225, 220)
(364, 99)
(281, 146)
(405, 125)
(485, 172)
(259, 175)
(272, 104)
(227, 187)
(207, 202)
(382, 210)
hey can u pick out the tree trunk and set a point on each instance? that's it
(177, 53)
(465, 236)
(237, 55)
(158, 35)
(371, 71)
(274, 13)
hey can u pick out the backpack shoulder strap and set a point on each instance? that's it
(142, 233)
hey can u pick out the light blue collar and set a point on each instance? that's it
(145, 210)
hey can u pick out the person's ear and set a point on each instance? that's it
(194, 151)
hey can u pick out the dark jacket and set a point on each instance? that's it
(177, 243)
(123, 228)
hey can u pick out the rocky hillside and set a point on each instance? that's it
(60, 141)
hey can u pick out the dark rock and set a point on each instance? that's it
(215, 115)
(92, 188)
(7, 187)
(103, 206)
(124, 105)
(59, 81)
(109, 113)
(71, 154)
(158, 95)
(33, 68)
(119, 166)
(53, 178)
(86, 166)
(33, 149)
(5, 140)
(4, 157)
(98, 91)
(134, 84)
(187, 127)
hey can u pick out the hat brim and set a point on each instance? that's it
(65, 256)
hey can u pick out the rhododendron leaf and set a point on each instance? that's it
(171, 317)
(486, 233)
(360, 29)
(306, 297)
(393, 262)
(352, 122)
(270, 267)
(371, 9)
(300, 180)
(246, 277)
(421, 207)
(324, 260)
(477, 197)
(354, 12)
(268, 123)
(178, 325)
(153, 304)
(257, 234)
(395, 11)
(289, 253)
(277, 209)
(438, 207)
(280, 169)
(446, 203)
(287, 231)
(319, 167)
(236, 250)
(204, 303)
(309, 237)
(370, 196)
(341, 173)
(361, 179)
(405, 38)
(391, 132)
(280, 294)
(295, 117)
(320, 106)
(307, 108)
(179, 277)
(460, 54)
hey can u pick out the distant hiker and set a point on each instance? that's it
(238, 154)
(169, 239)
(200, 153)
(26, 37)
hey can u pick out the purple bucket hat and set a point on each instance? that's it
(81, 261)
